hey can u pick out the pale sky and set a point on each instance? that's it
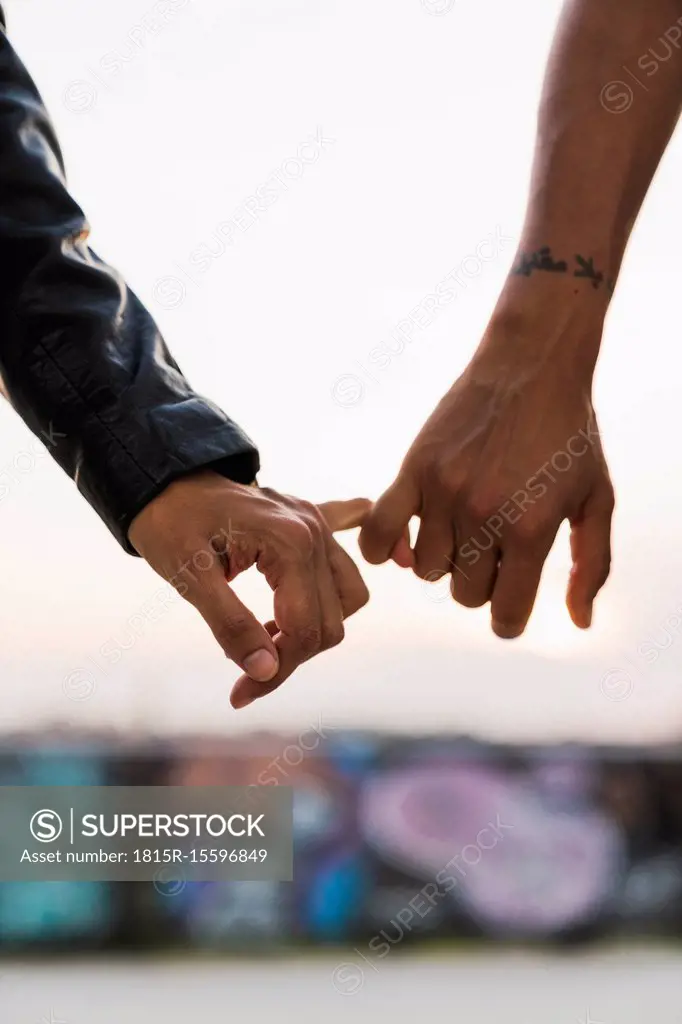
(427, 122)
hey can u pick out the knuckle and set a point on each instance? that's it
(529, 531)
(361, 596)
(309, 640)
(228, 630)
(298, 536)
(376, 525)
(307, 510)
(185, 556)
(233, 625)
(447, 477)
(333, 635)
(375, 544)
(483, 505)
(526, 531)
(354, 597)
(370, 543)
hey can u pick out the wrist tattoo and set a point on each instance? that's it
(542, 259)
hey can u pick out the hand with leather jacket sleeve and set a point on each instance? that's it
(84, 364)
(81, 359)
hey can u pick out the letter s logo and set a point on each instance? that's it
(46, 826)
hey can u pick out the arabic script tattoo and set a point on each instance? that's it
(542, 259)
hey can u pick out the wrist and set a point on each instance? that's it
(546, 324)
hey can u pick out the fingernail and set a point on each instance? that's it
(261, 666)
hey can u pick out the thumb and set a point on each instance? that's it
(591, 554)
(345, 515)
(387, 523)
(241, 636)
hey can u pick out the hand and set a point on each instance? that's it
(203, 530)
(509, 453)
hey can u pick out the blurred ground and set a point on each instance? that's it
(633, 986)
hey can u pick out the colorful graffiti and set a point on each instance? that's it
(394, 839)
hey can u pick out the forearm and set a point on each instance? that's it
(81, 359)
(600, 139)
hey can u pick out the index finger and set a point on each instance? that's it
(389, 521)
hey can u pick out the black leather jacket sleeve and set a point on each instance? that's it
(82, 361)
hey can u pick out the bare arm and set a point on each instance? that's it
(611, 100)
(513, 448)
